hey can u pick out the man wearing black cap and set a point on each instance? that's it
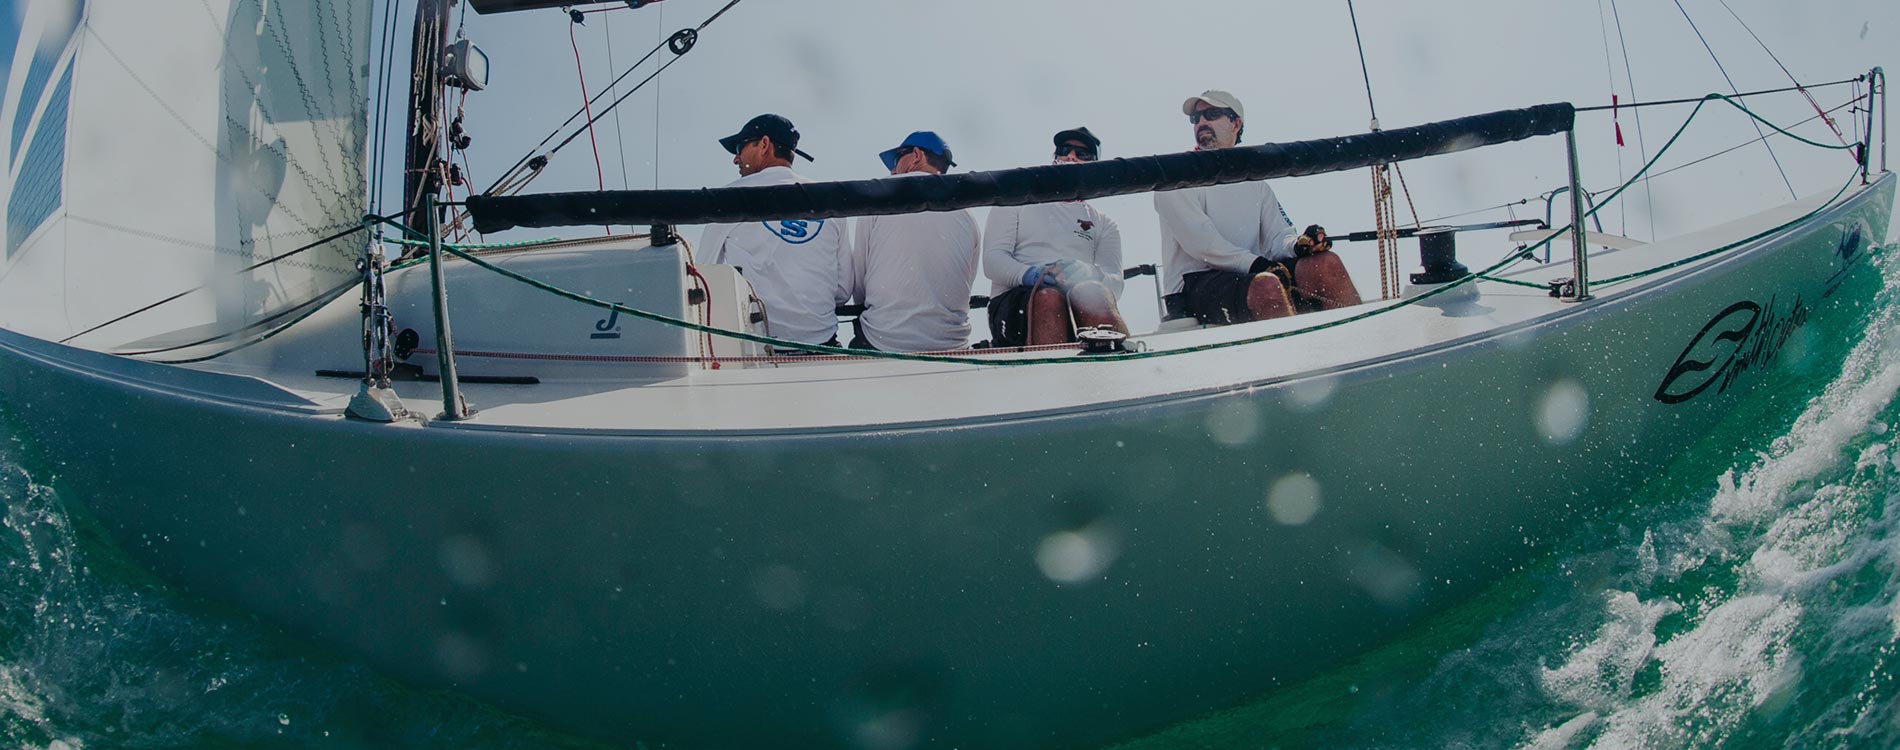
(1053, 266)
(1229, 253)
(913, 272)
(796, 266)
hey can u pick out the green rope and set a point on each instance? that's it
(1614, 195)
(947, 359)
(1488, 274)
(1717, 251)
(1514, 282)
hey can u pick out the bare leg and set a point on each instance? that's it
(1322, 281)
(1266, 298)
(1094, 306)
(1049, 318)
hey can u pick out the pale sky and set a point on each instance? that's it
(998, 77)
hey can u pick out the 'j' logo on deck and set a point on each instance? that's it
(608, 327)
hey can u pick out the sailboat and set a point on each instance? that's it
(605, 500)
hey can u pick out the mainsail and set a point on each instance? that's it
(170, 145)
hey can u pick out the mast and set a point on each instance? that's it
(422, 155)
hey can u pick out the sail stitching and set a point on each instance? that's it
(311, 110)
(310, 181)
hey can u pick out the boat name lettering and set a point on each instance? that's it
(1745, 336)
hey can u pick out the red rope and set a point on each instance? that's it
(587, 107)
(773, 359)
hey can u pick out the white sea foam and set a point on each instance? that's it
(1847, 410)
(1600, 674)
(1798, 523)
(17, 701)
(1565, 735)
(1735, 659)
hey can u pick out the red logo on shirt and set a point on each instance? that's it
(1086, 224)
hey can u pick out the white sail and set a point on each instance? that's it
(177, 143)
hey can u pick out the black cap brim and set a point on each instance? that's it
(1079, 134)
(732, 143)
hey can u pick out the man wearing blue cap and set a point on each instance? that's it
(913, 272)
(796, 266)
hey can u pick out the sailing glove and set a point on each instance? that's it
(1313, 240)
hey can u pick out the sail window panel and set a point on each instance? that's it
(37, 77)
(9, 43)
(57, 34)
(38, 189)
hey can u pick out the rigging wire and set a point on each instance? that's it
(379, 142)
(1383, 214)
(1732, 88)
(1609, 71)
(620, 134)
(1364, 72)
(1654, 175)
(1697, 100)
(1784, 69)
(659, 29)
(681, 43)
(1642, 144)
(247, 269)
(1740, 146)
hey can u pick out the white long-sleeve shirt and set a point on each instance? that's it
(1017, 238)
(798, 268)
(1221, 228)
(913, 275)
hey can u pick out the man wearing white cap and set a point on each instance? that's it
(1229, 253)
(913, 272)
(796, 266)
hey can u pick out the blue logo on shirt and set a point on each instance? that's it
(796, 231)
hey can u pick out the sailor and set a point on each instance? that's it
(796, 266)
(1229, 252)
(1053, 266)
(913, 272)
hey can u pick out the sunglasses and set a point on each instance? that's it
(1080, 152)
(1210, 114)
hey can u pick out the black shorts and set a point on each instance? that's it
(1220, 297)
(1009, 317)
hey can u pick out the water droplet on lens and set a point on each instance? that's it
(1563, 413)
(1233, 423)
(1294, 499)
(1078, 555)
(779, 588)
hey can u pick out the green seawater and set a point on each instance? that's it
(1747, 597)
